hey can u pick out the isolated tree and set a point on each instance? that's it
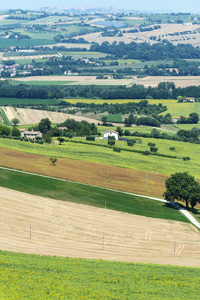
(182, 187)
(15, 121)
(53, 159)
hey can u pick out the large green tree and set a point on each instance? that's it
(182, 187)
(44, 125)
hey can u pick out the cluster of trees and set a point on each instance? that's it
(147, 52)
(79, 128)
(142, 107)
(162, 91)
(193, 119)
(74, 128)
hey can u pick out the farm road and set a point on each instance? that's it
(182, 210)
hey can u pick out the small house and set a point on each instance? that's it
(176, 119)
(30, 134)
(110, 133)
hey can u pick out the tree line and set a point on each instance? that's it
(162, 91)
(147, 52)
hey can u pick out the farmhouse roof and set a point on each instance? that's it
(111, 131)
(62, 128)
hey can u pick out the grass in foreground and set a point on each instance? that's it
(84, 194)
(42, 277)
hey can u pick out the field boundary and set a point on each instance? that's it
(177, 206)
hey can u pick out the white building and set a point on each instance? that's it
(111, 133)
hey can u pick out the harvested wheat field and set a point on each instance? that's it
(33, 116)
(32, 224)
(77, 80)
(179, 81)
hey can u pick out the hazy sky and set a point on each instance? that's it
(142, 5)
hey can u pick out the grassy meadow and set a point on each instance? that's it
(43, 277)
(84, 194)
(125, 159)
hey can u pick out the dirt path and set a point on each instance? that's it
(71, 230)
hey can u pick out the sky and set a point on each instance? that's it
(142, 5)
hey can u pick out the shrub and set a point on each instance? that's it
(111, 142)
(117, 149)
(145, 152)
(131, 142)
(172, 148)
(90, 138)
(186, 158)
(151, 144)
(153, 149)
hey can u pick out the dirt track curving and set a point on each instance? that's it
(32, 224)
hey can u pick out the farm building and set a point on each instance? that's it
(110, 133)
(30, 134)
(176, 119)
(190, 99)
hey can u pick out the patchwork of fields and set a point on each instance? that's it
(81, 207)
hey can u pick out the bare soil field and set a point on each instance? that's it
(127, 180)
(180, 81)
(37, 225)
(33, 116)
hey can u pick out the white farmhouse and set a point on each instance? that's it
(111, 133)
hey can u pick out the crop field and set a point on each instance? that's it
(59, 278)
(125, 159)
(187, 126)
(76, 80)
(180, 81)
(87, 195)
(98, 174)
(49, 82)
(143, 129)
(24, 42)
(173, 107)
(15, 101)
(117, 118)
(31, 116)
(100, 230)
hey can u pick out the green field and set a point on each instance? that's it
(24, 101)
(43, 277)
(133, 22)
(84, 194)
(169, 129)
(116, 118)
(28, 61)
(187, 126)
(125, 159)
(44, 83)
(24, 42)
